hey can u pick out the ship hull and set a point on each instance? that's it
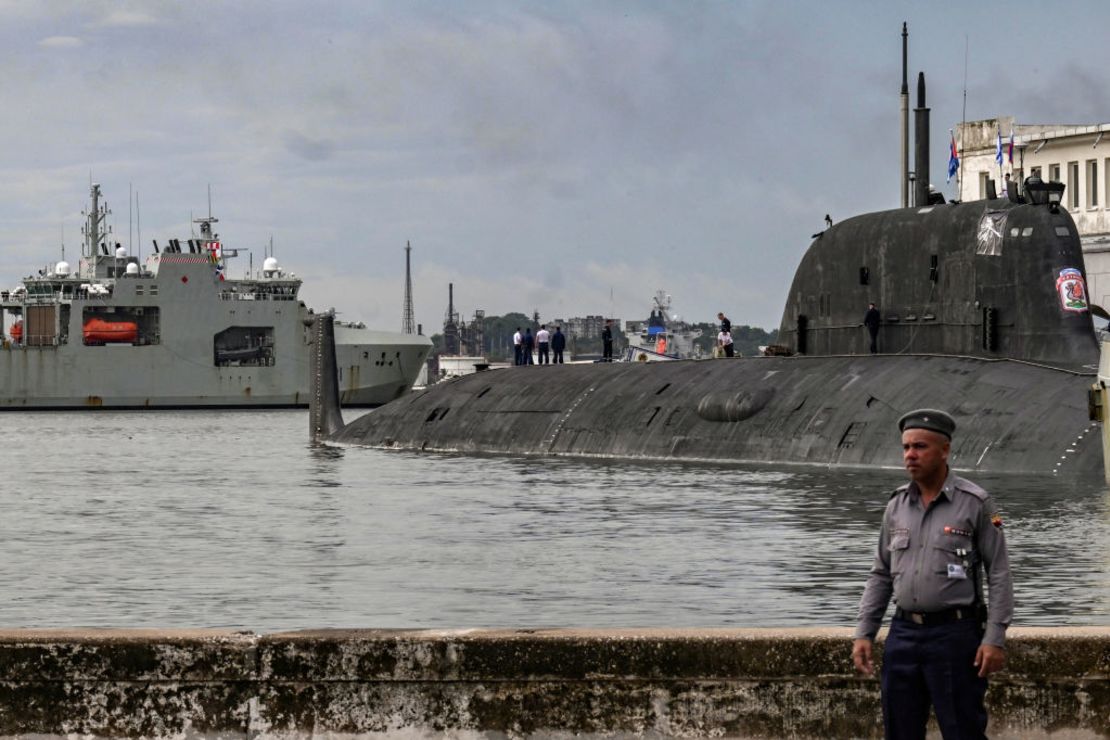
(375, 368)
(838, 412)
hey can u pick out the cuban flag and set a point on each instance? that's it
(1010, 150)
(998, 149)
(953, 160)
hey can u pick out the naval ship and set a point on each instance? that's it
(662, 337)
(177, 331)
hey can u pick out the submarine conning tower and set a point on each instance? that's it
(990, 278)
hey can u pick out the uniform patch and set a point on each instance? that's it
(996, 520)
(956, 531)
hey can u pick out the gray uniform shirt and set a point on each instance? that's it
(928, 560)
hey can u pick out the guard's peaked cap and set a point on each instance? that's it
(931, 419)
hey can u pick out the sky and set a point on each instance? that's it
(570, 158)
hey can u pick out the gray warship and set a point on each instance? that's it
(984, 314)
(177, 331)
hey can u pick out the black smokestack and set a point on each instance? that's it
(921, 145)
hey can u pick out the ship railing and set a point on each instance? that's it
(229, 295)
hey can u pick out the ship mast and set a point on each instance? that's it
(94, 220)
(208, 237)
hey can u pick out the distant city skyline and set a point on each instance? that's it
(568, 157)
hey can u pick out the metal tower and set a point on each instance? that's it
(452, 344)
(408, 320)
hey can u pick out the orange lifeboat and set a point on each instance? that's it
(17, 331)
(99, 331)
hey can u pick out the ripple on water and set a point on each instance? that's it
(225, 519)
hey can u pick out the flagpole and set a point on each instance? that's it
(999, 155)
(963, 129)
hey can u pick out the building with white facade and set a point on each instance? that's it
(1076, 155)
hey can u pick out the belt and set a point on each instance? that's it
(942, 617)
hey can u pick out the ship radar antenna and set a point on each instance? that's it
(207, 235)
(408, 319)
(95, 216)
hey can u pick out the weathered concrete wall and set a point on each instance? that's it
(657, 683)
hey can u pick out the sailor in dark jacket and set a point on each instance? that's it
(607, 341)
(871, 321)
(558, 344)
(941, 535)
(527, 344)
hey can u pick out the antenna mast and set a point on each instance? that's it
(963, 127)
(905, 98)
(94, 220)
(408, 320)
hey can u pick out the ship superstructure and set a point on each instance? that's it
(176, 330)
(663, 336)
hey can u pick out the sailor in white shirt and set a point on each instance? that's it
(517, 354)
(543, 342)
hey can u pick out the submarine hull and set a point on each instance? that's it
(835, 411)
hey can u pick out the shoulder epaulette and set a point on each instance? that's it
(900, 489)
(967, 486)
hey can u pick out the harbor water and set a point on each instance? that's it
(231, 519)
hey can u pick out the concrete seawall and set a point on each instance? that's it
(477, 683)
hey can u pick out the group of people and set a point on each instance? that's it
(548, 347)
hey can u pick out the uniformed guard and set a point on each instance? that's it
(941, 535)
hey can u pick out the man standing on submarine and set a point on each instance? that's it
(871, 321)
(941, 535)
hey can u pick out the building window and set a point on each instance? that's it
(1073, 186)
(1092, 183)
(1106, 175)
(983, 177)
(1054, 172)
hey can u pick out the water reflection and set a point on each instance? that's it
(135, 523)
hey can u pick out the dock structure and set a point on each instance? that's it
(745, 683)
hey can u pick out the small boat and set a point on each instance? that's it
(99, 331)
(664, 336)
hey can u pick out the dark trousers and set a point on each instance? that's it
(925, 665)
(607, 350)
(544, 359)
(728, 350)
(557, 356)
(874, 332)
(517, 354)
(527, 358)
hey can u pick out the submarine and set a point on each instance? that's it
(984, 314)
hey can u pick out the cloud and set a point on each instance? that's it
(538, 155)
(315, 150)
(125, 19)
(61, 42)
